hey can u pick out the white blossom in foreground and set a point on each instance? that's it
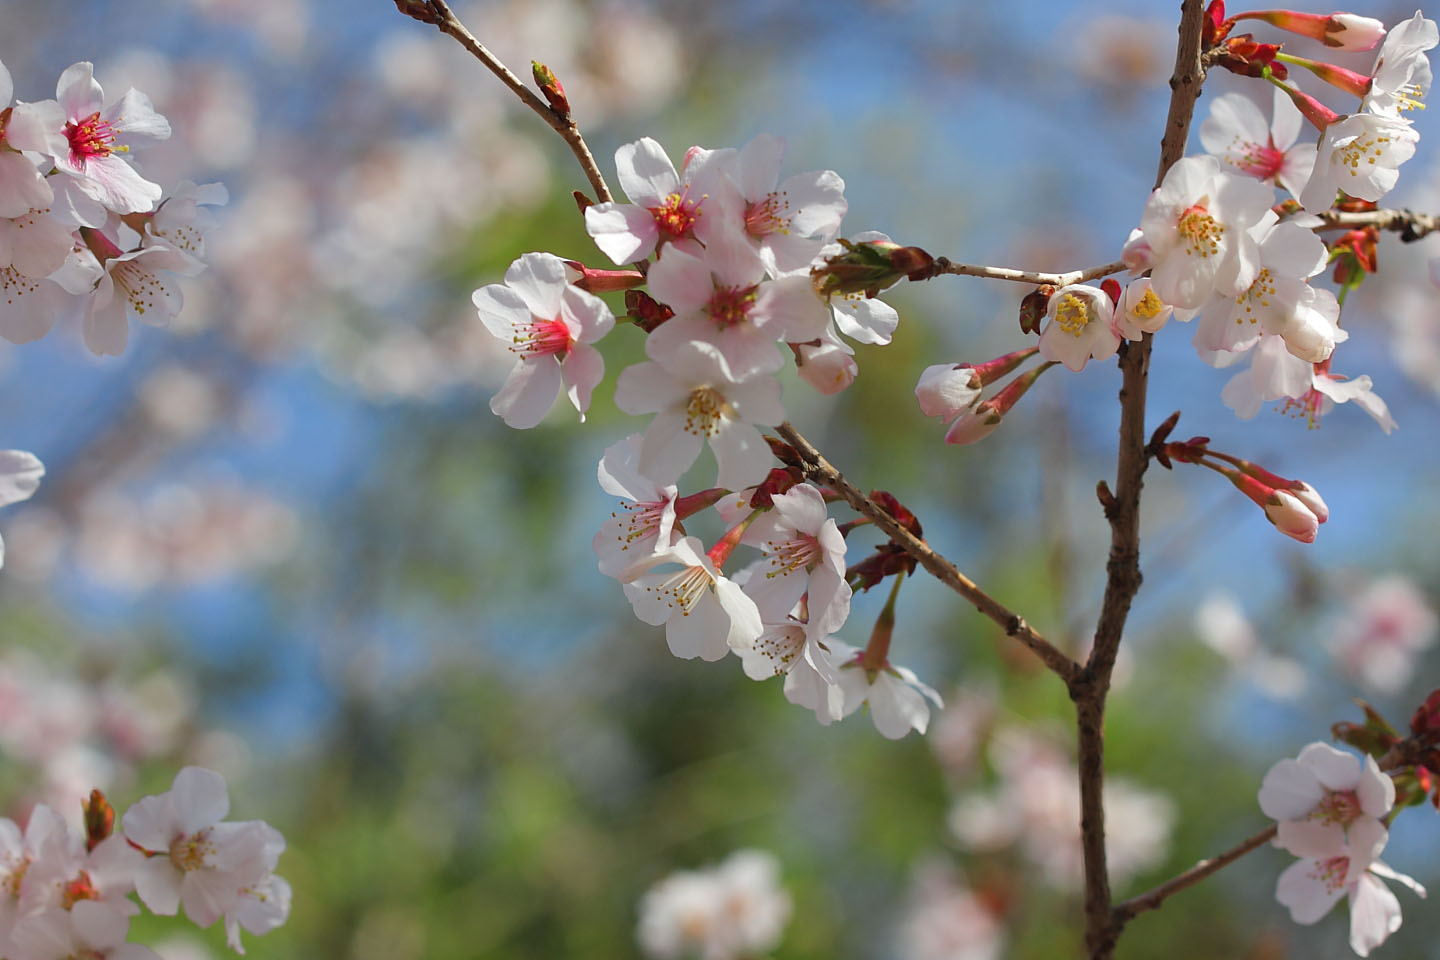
(1360, 154)
(664, 205)
(212, 867)
(627, 541)
(1320, 797)
(1237, 134)
(732, 910)
(895, 696)
(1197, 226)
(131, 286)
(20, 474)
(804, 554)
(1082, 325)
(550, 326)
(706, 615)
(1401, 76)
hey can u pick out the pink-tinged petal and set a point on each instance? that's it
(1289, 791)
(1376, 791)
(817, 201)
(896, 708)
(618, 471)
(1311, 839)
(134, 116)
(157, 883)
(648, 388)
(681, 281)
(1296, 168)
(741, 613)
(582, 371)
(44, 246)
(77, 91)
(1374, 915)
(668, 449)
(790, 309)
(1234, 129)
(758, 400)
(20, 474)
(1286, 122)
(1382, 869)
(742, 455)
(151, 824)
(734, 262)
(46, 933)
(528, 393)
(802, 507)
(99, 924)
(200, 799)
(760, 161)
(22, 188)
(112, 866)
(1184, 281)
(539, 279)
(1308, 891)
(1366, 838)
(1294, 251)
(785, 253)
(206, 894)
(39, 127)
(649, 606)
(1335, 769)
(115, 183)
(624, 232)
(645, 172)
(133, 951)
(501, 310)
(591, 315)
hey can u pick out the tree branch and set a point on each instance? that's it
(817, 468)
(1123, 511)
(438, 12)
(1152, 899)
(943, 265)
(1410, 225)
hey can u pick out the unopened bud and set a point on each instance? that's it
(980, 421)
(550, 86)
(1034, 307)
(419, 10)
(582, 201)
(99, 819)
(1214, 27)
(601, 281)
(868, 267)
(1319, 115)
(1340, 31)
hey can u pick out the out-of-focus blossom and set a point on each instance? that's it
(945, 920)
(1389, 624)
(732, 910)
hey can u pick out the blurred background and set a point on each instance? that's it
(287, 539)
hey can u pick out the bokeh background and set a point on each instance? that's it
(287, 539)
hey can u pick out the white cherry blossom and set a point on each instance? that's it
(1401, 75)
(694, 403)
(732, 910)
(1360, 154)
(550, 326)
(1322, 796)
(20, 474)
(1082, 326)
(826, 363)
(804, 553)
(131, 286)
(705, 614)
(22, 187)
(644, 526)
(1197, 225)
(896, 696)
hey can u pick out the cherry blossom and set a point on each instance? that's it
(1141, 311)
(628, 540)
(550, 326)
(53, 932)
(1305, 389)
(896, 696)
(1237, 134)
(788, 222)
(131, 286)
(706, 615)
(694, 403)
(1360, 154)
(1082, 325)
(732, 910)
(1386, 628)
(20, 474)
(184, 218)
(22, 187)
(946, 390)
(1401, 75)
(1321, 796)
(34, 244)
(663, 204)
(1197, 224)
(804, 553)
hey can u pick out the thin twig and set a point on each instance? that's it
(943, 265)
(1410, 225)
(1153, 898)
(1123, 511)
(817, 468)
(439, 13)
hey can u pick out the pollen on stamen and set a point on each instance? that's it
(542, 338)
(676, 215)
(787, 556)
(684, 588)
(1072, 314)
(705, 411)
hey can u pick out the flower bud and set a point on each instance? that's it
(868, 267)
(550, 86)
(946, 390)
(1033, 307)
(601, 281)
(1292, 517)
(1247, 57)
(827, 364)
(1340, 31)
(647, 312)
(1136, 253)
(979, 421)
(99, 819)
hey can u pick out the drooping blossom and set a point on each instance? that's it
(705, 614)
(550, 326)
(1401, 75)
(1360, 154)
(895, 696)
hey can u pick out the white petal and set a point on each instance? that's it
(539, 279)
(1304, 891)
(200, 799)
(1374, 915)
(1289, 791)
(645, 172)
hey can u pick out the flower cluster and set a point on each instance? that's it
(732, 910)
(1330, 806)
(81, 229)
(64, 895)
(738, 269)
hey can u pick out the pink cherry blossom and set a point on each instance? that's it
(1360, 154)
(804, 553)
(663, 204)
(705, 614)
(1321, 796)
(550, 326)
(1388, 625)
(1237, 134)
(627, 541)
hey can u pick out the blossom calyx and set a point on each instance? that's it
(1426, 720)
(99, 819)
(1033, 307)
(980, 421)
(1246, 56)
(645, 311)
(551, 87)
(868, 267)
(1215, 28)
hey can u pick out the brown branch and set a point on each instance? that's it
(1123, 511)
(1410, 225)
(438, 12)
(944, 265)
(1153, 898)
(818, 469)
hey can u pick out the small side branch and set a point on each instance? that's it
(1410, 225)
(1153, 898)
(817, 468)
(943, 265)
(438, 12)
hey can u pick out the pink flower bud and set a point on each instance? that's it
(1309, 496)
(1136, 253)
(829, 365)
(1292, 517)
(946, 390)
(974, 424)
(1341, 31)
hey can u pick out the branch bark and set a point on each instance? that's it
(1410, 225)
(943, 265)
(818, 469)
(1123, 577)
(1153, 898)
(438, 12)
